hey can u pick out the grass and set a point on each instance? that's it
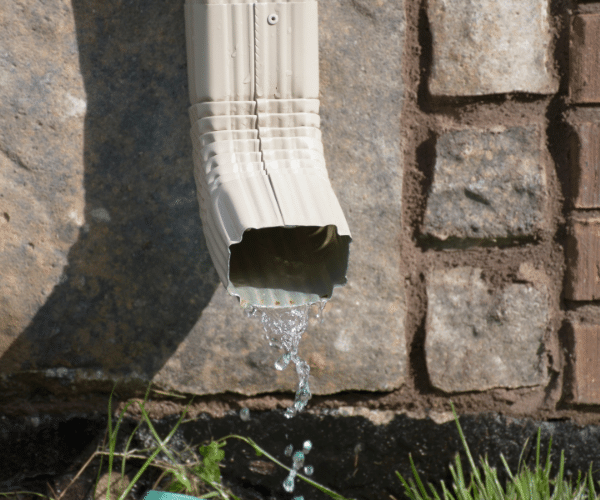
(526, 484)
(188, 472)
(197, 473)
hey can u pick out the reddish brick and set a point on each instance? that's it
(586, 363)
(586, 167)
(584, 71)
(583, 257)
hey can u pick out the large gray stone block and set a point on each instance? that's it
(478, 338)
(487, 184)
(117, 281)
(490, 47)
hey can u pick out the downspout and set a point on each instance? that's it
(273, 225)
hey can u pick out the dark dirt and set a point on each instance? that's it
(351, 454)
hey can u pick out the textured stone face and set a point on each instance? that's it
(41, 156)
(135, 293)
(490, 47)
(477, 339)
(360, 345)
(487, 185)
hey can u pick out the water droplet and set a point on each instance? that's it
(245, 414)
(288, 450)
(288, 484)
(303, 396)
(298, 460)
(299, 498)
(308, 470)
(234, 53)
(283, 361)
(306, 447)
(321, 315)
(292, 474)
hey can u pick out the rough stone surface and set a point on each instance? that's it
(584, 59)
(354, 456)
(586, 164)
(478, 338)
(41, 156)
(490, 47)
(583, 259)
(135, 294)
(586, 363)
(487, 185)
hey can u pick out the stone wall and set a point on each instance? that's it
(461, 138)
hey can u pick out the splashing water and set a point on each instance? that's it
(288, 484)
(283, 329)
(306, 447)
(298, 462)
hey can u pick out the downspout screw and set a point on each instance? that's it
(273, 18)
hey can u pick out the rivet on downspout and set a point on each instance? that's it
(273, 225)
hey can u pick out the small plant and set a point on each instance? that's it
(525, 485)
(188, 472)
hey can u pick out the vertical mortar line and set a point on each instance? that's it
(417, 47)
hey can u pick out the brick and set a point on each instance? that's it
(490, 47)
(584, 68)
(586, 363)
(487, 185)
(478, 338)
(583, 259)
(586, 165)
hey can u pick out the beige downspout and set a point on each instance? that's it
(273, 225)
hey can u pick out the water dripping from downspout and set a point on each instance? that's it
(283, 330)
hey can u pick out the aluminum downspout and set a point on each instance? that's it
(273, 225)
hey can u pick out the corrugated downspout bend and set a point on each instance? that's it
(273, 225)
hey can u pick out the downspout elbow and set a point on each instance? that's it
(274, 227)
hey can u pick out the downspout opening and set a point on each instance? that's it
(288, 265)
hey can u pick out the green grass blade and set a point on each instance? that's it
(559, 481)
(447, 494)
(161, 446)
(548, 462)
(415, 473)
(591, 488)
(521, 463)
(128, 444)
(474, 470)
(537, 448)
(436, 495)
(514, 481)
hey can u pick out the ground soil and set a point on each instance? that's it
(423, 118)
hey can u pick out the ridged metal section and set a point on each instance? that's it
(220, 45)
(273, 225)
(287, 52)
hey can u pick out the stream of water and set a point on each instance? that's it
(283, 330)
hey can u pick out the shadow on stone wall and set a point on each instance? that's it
(139, 274)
